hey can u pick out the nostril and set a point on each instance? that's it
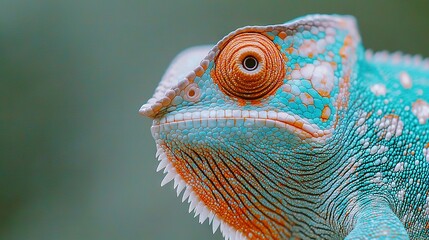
(192, 93)
(177, 84)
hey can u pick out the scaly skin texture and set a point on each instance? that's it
(293, 131)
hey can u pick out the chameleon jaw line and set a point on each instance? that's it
(221, 118)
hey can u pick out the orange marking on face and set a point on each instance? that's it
(297, 66)
(298, 124)
(288, 76)
(241, 102)
(324, 93)
(271, 37)
(256, 102)
(282, 35)
(392, 116)
(199, 71)
(287, 88)
(191, 80)
(348, 41)
(306, 99)
(224, 194)
(326, 113)
(427, 145)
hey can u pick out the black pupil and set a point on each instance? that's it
(250, 63)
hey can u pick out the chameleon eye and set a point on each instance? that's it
(249, 67)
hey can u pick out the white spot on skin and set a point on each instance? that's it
(296, 74)
(373, 150)
(312, 47)
(362, 118)
(308, 47)
(420, 109)
(287, 88)
(405, 80)
(361, 130)
(378, 178)
(362, 127)
(323, 79)
(390, 126)
(379, 112)
(321, 46)
(365, 142)
(330, 31)
(306, 99)
(426, 152)
(401, 195)
(378, 149)
(407, 217)
(399, 167)
(426, 206)
(307, 71)
(378, 89)
(382, 149)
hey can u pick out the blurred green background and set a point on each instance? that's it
(76, 159)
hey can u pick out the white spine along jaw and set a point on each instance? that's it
(195, 204)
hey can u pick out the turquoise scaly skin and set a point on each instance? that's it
(319, 139)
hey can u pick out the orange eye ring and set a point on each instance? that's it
(249, 67)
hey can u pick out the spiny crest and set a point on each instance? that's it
(397, 58)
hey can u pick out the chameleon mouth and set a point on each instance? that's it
(230, 118)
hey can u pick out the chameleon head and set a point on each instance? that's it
(233, 131)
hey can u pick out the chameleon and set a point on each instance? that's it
(296, 131)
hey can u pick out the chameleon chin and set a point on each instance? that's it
(295, 131)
